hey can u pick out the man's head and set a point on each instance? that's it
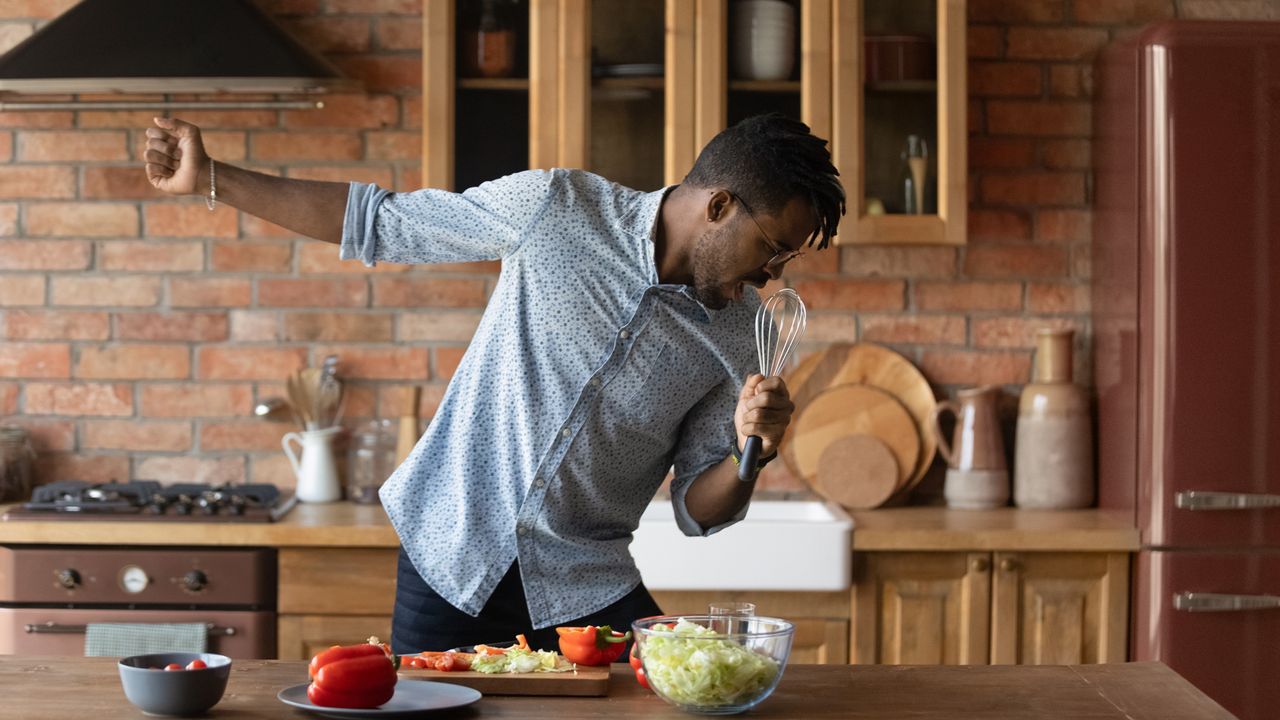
(767, 189)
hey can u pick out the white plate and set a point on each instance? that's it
(412, 697)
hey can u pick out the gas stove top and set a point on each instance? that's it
(149, 500)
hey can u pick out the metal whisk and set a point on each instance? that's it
(780, 323)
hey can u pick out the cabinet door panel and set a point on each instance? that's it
(1059, 608)
(921, 608)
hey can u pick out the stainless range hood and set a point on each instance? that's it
(164, 47)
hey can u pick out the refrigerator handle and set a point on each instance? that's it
(1217, 602)
(1205, 500)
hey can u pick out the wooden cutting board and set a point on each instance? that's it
(849, 410)
(873, 365)
(858, 472)
(586, 682)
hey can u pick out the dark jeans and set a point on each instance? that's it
(425, 621)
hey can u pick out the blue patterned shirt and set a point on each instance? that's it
(585, 382)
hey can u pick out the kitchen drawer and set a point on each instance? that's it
(337, 581)
(301, 637)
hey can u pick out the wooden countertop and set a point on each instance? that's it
(349, 525)
(341, 524)
(89, 687)
(940, 528)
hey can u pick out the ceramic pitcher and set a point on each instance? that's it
(977, 474)
(316, 471)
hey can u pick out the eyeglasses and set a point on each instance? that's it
(781, 256)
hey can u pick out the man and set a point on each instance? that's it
(618, 343)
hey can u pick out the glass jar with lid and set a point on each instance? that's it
(16, 457)
(371, 460)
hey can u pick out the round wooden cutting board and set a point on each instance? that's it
(878, 367)
(854, 410)
(859, 472)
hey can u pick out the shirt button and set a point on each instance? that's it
(624, 334)
(523, 531)
(595, 382)
(539, 482)
(565, 432)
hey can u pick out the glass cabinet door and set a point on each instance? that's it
(899, 119)
(476, 90)
(761, 56)
(628, 44)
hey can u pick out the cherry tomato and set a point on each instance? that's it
(173, 666)
(196, 664)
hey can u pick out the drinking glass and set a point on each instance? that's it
(730, 617)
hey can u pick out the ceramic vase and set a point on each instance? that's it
(1053, 459)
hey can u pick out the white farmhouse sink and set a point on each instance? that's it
(781, 545)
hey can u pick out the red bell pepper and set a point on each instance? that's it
(354, 676)
(592, 645)
(341, 652)
(329, 698)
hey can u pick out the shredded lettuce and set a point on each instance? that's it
(696, 668)
(519, 660)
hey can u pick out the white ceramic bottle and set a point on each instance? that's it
(1053, 459)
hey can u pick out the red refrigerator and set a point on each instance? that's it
(1186, 317)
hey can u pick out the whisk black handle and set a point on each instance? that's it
(750, 456)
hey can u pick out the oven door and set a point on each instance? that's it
(35, 631)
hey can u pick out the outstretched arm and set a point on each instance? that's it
(177, 164)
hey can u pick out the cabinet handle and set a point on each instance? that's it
(1010, 565)
(1205, 500)
(1217, 602)
(980, 565)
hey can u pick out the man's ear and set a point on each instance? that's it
(718, 205)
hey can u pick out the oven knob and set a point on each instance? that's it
(68, 578)
(194, 581)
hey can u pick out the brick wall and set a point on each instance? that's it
(137, 331)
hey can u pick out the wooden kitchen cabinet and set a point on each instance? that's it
(333, 596)
(596, 99)
(961, 608)
(821, 618)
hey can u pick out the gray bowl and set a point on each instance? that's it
(176, 692)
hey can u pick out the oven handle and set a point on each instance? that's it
(53, 628)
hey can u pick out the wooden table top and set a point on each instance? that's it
(49, 688)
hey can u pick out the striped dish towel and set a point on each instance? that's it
(125, 639)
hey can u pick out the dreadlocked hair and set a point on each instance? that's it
(770, 159)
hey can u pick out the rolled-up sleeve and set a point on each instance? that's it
(486, 222)
(705, 437)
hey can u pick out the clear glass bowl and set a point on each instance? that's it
(713, 665)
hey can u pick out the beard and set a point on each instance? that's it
(711, 258)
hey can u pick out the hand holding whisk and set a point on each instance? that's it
(780, 323)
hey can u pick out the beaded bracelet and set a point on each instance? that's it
(212, 201)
